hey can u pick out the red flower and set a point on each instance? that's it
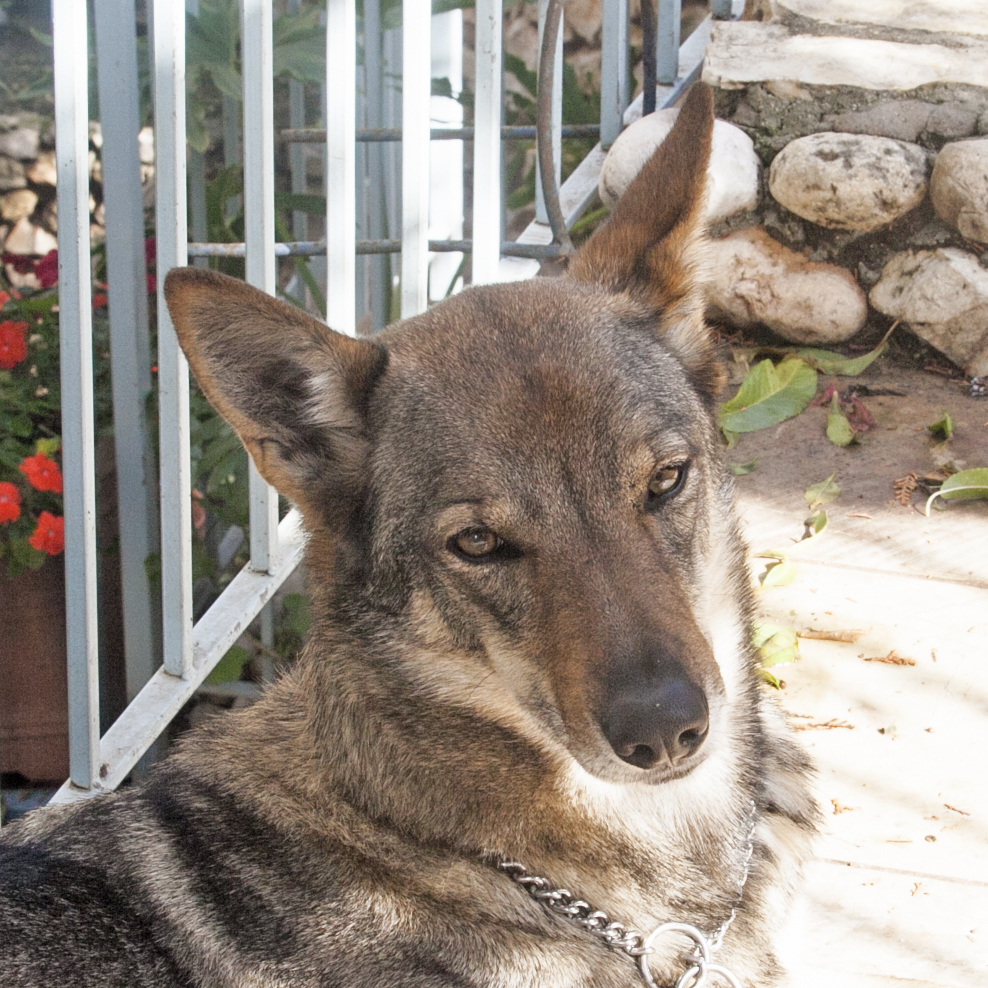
(42, 474)
(13, 346)
(49, 536)
(4, 299)
(21, 263)
(99, 301)
(10, 502)
(47, 269)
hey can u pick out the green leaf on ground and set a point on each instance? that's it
(779, 574)
(839, 430)
(776, 645)
(769, 677)
(965, 484)
(828, 362)
(740, 469)
(769, 395)
(815, 525)
(229, 668)
(822, 493)
(943, 428)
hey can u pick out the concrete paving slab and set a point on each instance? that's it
(898, 896)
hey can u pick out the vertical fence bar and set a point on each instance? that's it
(416, 94)
(258, 83)
(721, 10)
(197, 202)
(487, 143)
(171, 231)
(231, 145)
(137, 480)
(667, 41)
(341, 199)
(374, 76)
(76, 347)
(613, 70)
(541, 215)
(296, 153)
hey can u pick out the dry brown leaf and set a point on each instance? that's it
(902, 489)
(841, 808)
(892, 659)
(832, 636)
(826, 725)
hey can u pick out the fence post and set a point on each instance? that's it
(341, 203)
(171, 233)
(487, 143)
(416, 95)
(126, 270)
(258, 89)
(613, 70)
(76, 348)
(667, 41)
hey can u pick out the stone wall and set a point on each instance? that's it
(853, 185)
(28, 207)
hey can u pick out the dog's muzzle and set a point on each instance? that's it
(655, 719)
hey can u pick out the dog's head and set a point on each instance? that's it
(523, 483)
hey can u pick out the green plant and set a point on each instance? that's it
(213, 57)
(31, 521)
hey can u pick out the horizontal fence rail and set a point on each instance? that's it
(395, 222)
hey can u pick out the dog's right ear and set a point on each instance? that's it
(651, 247)
(293, 390)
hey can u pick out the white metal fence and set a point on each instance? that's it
(190, 650)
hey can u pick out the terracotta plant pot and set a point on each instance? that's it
(33, 691)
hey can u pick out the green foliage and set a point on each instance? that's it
(775, 646)
(828, 362)
(943, 428)
(293, 624)
(964, 484)
(822, 493)
(213, 57)
(579, 107)
(769, 395)
(230, 668)
(839, 430)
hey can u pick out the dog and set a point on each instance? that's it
(529, 669)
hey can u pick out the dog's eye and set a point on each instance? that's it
(665, 482)
(476, 543)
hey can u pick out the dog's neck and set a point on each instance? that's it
(348, 750)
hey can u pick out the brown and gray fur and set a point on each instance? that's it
(449, 711)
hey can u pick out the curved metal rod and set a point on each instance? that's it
(550, 190)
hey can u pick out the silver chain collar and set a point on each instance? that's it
(699, 963)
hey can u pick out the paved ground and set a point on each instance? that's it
(899, 893)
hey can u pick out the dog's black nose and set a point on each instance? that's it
(660, 719)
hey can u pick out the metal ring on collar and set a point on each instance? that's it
(693, 933)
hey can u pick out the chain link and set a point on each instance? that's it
(634, 943)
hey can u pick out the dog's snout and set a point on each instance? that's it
(656, 719)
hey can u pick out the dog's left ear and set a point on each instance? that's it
(652, 245)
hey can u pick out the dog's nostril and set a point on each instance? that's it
(641, 756)
(691, 739)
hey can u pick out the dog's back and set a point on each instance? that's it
(530, 643)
